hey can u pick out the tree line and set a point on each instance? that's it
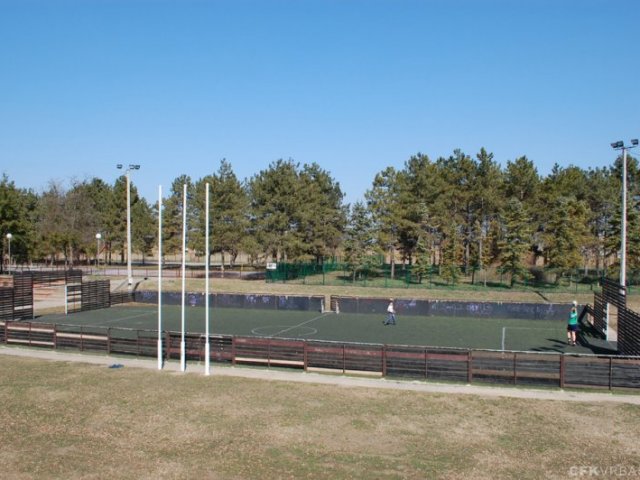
(461, 213)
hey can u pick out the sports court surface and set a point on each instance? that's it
(474, 333)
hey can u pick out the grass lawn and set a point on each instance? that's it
(64, 420)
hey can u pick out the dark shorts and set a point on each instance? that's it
(573, 328)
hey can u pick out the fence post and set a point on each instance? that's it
(562, 367)
(469, 366)
(610, 373)
(108, 340)
(233, 350)
(269, 348)
(344, 359)
(384, 360)
(426, 364)
(305, 356)
(515, 374)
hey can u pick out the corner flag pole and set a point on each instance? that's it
(207, 346)
(159, 277)
(183, 359)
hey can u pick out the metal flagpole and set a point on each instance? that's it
(159, 277)
(183, 360)
(207, 349)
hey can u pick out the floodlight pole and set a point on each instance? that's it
(9, 236)
(160, 277)
(98, 237)
(623, 233)
(129, 272)
(207, 346)
(619, 145)
(183, 361)
(127, 175)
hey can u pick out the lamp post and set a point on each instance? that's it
(619, 145)
(9, 236)
(127, 175)
(98, 237)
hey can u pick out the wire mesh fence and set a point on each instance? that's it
(435, 276)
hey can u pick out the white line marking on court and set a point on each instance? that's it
(305, 333)
(299, 325)
(128, 318)
(504, 331)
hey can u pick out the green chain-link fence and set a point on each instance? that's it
(408, 276)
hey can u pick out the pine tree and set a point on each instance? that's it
(274, 195)
(172, 216)
(516, 241)
(15, 205)
(452, 254)
(383, 201)
(359, 241)
(564, 235)
(228, 213)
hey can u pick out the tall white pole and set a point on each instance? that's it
(9, 251)
(160, 277)
(129, 272)
(623, 234)
(183, 360)
(207, 346)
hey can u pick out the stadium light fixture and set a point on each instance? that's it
(9, 237)
(98, 237)
(619, 145)
(128, 175)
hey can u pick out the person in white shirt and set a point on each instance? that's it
(391, 314)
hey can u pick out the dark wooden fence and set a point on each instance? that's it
(16, 301)
(94, 295)
(628, 320)
(400, 361)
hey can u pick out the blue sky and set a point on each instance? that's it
(353, 85)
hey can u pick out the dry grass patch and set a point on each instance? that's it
(62, 420)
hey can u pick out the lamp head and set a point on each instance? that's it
(618, 144)
(119, 166)
(634, 142)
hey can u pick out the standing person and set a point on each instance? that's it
(391, 314)
(572, 325)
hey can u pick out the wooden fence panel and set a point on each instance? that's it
(460, 365)
(22, 296)
(6, 303)
(628, 332)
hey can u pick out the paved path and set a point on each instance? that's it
(338, 380)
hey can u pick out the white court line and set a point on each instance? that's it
(119, 319)
(504, 331)
(299, 325)
(129, 317)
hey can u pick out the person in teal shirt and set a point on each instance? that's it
(572, 326)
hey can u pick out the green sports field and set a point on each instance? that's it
(477, 333)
